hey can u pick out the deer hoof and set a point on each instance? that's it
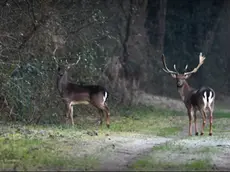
(201, 133)
(107, 125)
(197, 133)
(210, 134)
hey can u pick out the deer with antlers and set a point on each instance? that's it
(201, 99)
(73, 94)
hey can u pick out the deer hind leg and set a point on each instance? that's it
(195, 123)
(210, 121)
(107, 115)
(104, 108)
(101, 113)
(70, 107)
(204, 121)
(99, 102)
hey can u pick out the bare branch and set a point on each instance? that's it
(4, 3)
(33, 29)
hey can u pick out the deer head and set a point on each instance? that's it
(62, 74)
(181, 78)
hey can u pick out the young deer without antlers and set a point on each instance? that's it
(201, 99)
(73, 94)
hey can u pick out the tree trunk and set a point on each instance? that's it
(161, 22)
(161, 17)
(134, 41)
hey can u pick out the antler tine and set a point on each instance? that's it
(54, 57)
(72, 64)
(165, 66)
(186, 67)
(55, 60)
(201, 61)
(78, 60)
(174, 66)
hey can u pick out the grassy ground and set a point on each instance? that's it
(47, 147)
(191, 153)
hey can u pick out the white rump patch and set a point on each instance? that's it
(205, 99)
(210, 98)
(105, 97)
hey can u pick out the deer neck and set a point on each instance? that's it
(184, 90)
(62, 82)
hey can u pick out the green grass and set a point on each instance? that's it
(55, 147)
(147, 120)
(34, 147)
(161, 165)
(175, 157)
(35, 154)
(190, 153)
(221, 114)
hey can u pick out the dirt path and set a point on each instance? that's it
(124, 149)
(119, 152)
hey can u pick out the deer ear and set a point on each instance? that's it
(187, 76)
(173, 75)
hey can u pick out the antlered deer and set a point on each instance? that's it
(73, 94)
(201, 99)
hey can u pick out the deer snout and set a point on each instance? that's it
(179, 83)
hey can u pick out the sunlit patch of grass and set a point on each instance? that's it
(221, 122)
(140, 119)
(35, 154)
(37, 147)
(167, 131)
(174, 157)
(192, 153)
(221, 114)
(147, 125)
(199, 165)
(160, 165)
(147, 120)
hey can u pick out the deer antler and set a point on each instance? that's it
(174, 66)
(72, 64)
(166, 68)
(54, 57)
(186, 67)
(201, 61)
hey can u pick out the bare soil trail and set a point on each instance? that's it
(127, 149)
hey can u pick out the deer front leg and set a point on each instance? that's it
(67, 112)
(204, 122)
(190, 122)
